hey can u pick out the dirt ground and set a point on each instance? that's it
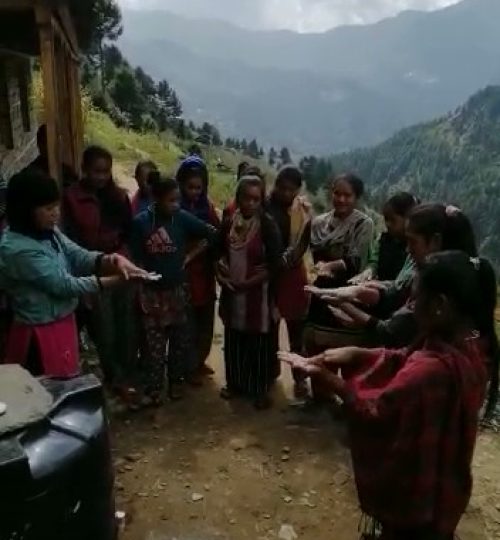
(204, 469)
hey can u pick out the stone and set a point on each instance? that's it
(285, 457)
(24, 399)
(287, 532)
(197, 497)
(288, 499)
(341, 478)
(133, 457)
(237, 444)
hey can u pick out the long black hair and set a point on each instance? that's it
(26, 192)
(470, 284)
(450, 223)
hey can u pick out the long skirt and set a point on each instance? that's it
(250, 361)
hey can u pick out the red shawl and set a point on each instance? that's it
(414, 420)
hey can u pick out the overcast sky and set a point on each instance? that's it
(300, 15)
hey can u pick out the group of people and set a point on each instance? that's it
(397, 328)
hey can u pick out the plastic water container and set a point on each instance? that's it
(56, 475)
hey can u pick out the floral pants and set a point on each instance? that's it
(167, 356)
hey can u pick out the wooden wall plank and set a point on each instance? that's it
(47, 60)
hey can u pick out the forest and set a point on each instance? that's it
(133, 99)
(455, 159)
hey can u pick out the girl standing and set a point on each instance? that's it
(44, 274)
(98, 216)
(159, 244)
(414, 413)
(340, 243)
(293, 217)
(389, 256)
(192, 177)
(247, 272)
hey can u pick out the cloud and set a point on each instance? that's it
(300, 15)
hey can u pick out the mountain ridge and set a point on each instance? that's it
(454, 159)
(399, 77)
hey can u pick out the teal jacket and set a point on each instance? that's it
(44, 279)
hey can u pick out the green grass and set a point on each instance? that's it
(128, 147)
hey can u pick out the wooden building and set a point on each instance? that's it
(39, 34)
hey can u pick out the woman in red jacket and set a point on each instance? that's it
(192, 177)
(98, 216)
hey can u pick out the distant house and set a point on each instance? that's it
(39, 34)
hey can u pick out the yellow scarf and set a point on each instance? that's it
(299, 218)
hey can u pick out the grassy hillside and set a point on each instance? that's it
(128, 147)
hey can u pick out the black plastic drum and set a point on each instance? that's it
(56, 476)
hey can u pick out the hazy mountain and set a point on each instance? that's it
(455, 159)
(347, 87)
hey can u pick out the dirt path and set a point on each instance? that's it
(204, 469)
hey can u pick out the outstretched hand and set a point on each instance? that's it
(308, 366)
(125, 268)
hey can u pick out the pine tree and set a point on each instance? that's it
(164, 97)
(216, 138)
(205, 136)
(181, 129)
(253, 149)
(175, 106)
(273, 157)
(285, 156)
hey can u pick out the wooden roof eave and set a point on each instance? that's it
(52, 12)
